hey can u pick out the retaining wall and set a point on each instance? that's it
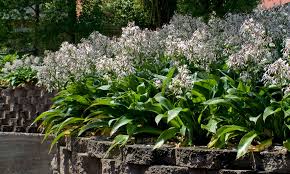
(20, 106)
(87, 156)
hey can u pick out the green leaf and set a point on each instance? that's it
(243, 88)
(166, 135)
(255, 119)
(211, 126)
(287, 113)
(224, 130)
(245, 143)
(148, 130)
(119, 140)
(59, 136)
(104, 87)
(166, 82)
(80, 99)
(215, 101)
(270, 111)
(68, 121)
(92, 125)
(158, 118)
(119, 123)
(287, 144)
(263, 145)
(163, 101)
(51, 112)
(173, 113)
(141, 89)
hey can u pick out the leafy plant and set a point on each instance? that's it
(252, 117)
(21, 76)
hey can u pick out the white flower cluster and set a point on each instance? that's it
(245, 42)
(74, 62)
(277, 73)
(182, 81)
(26, 62)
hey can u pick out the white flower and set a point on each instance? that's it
(277, 73)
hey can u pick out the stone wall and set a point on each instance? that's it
(20, 106)
(88, 156)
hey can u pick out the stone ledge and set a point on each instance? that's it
(144, 159)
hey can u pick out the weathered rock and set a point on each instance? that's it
(111, 166)
(86, 165)
(145, 155)
(236, 171)
(99, 149)
(198, 157)
(167, 169)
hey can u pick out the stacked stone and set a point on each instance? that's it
(20, 106)
(88, 156)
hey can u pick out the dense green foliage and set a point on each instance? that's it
(218, 107)
(219, 7)
(39, 25)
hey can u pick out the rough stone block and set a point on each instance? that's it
(19, 92)
(138, 154)
(6, 128)
(4, 107)
(99, 149)
(65, 163)
(237, 172)
(276, 160)
(211, 159)
(23, 100)
(110, 166)
(78, 145)
(167, 169)
(7, 92)
(145, 155)
(87, 165)
(19, 129)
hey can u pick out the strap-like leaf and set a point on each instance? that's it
(163, 101)
(119, 123)
(166, 135)
(270, 111)
(173, 113)
(166, 82)
(245, 143)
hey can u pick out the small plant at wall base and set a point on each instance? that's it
(224, 83)
(16, 70)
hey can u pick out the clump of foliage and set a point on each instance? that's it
(16, 70)
(38, 25)
(224, 83)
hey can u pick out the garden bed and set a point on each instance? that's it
(88, 156)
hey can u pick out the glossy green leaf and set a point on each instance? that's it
(119, 123)
(119, 140)
(163, 101)
(287, 144)
(215, 101)
(92, 125)
(158, 118)
(166, 135)
(270, 111)
(104, 87)
(245, 143)
(166, 82)
(68, 121)
(173, 113)
(141, 89)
